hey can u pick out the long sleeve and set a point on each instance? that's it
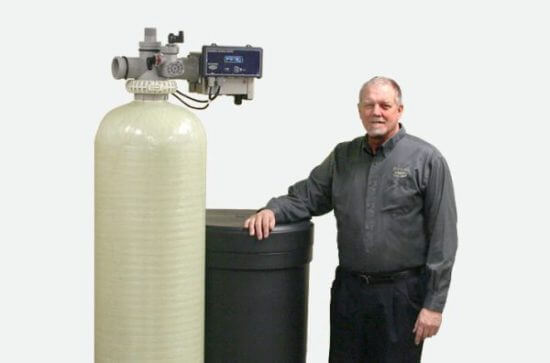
(440, 222)
(308, 197)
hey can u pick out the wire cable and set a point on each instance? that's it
(190, 106)
(215, 95)
(205, 103)
(191, 98)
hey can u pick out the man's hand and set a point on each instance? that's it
(261, 223)
(427, 324)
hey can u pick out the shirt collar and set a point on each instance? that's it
(387, 146)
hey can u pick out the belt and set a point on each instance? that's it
(382, 277)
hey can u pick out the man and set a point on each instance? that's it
(393, 200)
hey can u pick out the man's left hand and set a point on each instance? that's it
(427, 324)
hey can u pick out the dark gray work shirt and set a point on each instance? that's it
(394, 209)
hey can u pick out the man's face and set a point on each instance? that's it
(379, 111)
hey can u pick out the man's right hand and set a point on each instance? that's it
(261, 223)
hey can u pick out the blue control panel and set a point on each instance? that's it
(231, 61)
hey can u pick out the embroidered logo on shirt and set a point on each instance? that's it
(400, 172)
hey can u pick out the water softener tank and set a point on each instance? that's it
(256, 291)
(149, 230)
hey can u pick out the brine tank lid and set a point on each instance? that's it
(233, 220)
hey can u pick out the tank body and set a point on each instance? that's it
(256, 291)
(150, 161)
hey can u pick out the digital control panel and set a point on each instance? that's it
(231, 61)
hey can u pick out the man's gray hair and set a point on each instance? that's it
(383, 80)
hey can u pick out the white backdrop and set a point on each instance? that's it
(474, 77)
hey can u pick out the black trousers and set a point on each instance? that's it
(373, 322)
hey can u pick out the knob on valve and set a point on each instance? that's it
(175, 38)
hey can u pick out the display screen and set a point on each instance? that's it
(233, 59)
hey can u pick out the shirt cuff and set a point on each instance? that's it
(434, 302)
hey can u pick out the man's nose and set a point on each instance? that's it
(377, 110)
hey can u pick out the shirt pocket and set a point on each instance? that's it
(400, 196)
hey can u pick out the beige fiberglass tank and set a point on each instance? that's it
(149, 230)
(150, 201)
